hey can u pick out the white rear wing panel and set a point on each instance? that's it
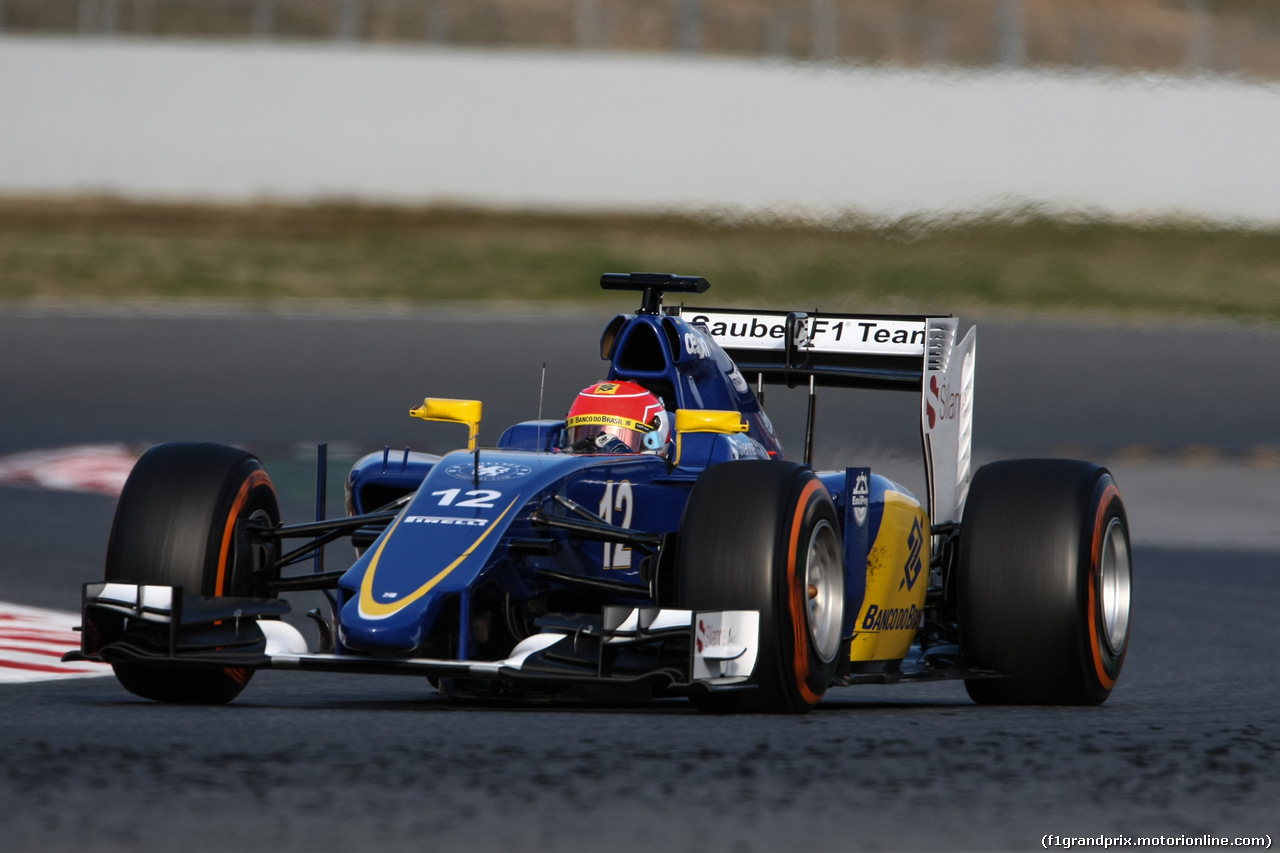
(852, 351)
(909, 353)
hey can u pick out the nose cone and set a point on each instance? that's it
(401, 633)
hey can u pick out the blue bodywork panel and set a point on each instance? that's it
(470, 531)
(455, 535)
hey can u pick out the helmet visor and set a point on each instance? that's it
(629, 432)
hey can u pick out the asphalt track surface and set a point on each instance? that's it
(1186, 746)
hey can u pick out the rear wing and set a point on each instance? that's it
(870, 351)
(903, 352)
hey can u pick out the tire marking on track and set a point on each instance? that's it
(30, 636)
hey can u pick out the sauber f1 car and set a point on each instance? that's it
(703, 564)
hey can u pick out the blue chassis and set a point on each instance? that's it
(522, 522)
(524, 467)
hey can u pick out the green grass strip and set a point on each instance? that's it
(105, 250)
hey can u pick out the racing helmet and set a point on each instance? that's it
(617, 417)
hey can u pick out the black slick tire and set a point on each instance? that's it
(1044, 583)
(176, 525)
(762, 535)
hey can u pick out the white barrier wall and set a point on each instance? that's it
(243, 121)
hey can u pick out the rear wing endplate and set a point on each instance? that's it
(946, 418)
(892, 351)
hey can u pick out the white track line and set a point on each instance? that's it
(32, 642)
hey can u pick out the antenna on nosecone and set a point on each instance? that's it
(542, 387)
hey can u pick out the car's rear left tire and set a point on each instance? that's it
(177, 524)
(764, 535)
(1044, 583)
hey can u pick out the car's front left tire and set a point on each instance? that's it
(764, 535)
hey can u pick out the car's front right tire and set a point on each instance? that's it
(178, 524)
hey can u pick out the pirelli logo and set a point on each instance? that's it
(441, 519)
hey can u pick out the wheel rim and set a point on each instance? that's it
(824, 582)
(247, 555)
(1114, 578)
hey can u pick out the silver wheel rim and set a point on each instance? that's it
(824, 588)
(1114, 578)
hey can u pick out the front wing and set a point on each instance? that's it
(670, 651)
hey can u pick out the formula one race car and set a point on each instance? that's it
(654, 543)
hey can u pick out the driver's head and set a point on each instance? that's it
(624, 412)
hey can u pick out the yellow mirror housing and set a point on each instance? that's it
(709, 420)
(454, 412)
(706, 420)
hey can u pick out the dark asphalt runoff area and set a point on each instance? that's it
(1188, 744)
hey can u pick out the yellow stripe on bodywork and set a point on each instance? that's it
(377, 610)
(886, 564)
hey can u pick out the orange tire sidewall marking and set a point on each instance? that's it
(1095, 558)
(799, 621)
(257, 478)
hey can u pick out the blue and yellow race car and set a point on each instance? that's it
(656, 542)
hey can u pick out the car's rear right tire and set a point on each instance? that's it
(178, 524)
(1044, 583)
